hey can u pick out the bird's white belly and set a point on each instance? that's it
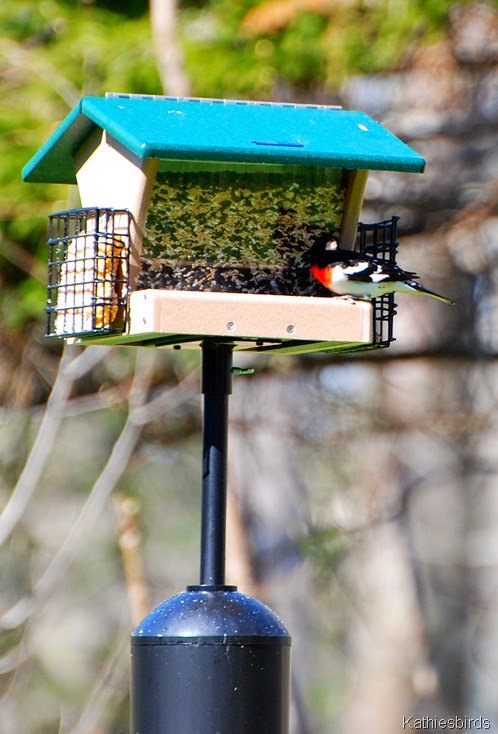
(361, 289)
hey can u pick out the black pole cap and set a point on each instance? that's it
(214, 613)
(215, 662)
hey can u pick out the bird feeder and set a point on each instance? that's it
(197, 216)
(196, 220)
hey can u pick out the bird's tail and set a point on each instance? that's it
(426, 292)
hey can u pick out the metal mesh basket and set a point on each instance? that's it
(88, 271)
(380, 240)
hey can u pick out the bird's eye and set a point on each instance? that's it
(331, 245)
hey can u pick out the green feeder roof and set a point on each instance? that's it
(219, 130)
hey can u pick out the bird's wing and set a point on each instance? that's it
(370, 269)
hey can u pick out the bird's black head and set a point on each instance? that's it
(319, 253)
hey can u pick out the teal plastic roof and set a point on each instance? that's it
(219, 130)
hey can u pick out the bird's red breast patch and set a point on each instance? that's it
(323, 275)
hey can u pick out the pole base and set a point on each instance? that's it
(210, 661)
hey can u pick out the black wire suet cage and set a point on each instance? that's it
(380, 240)
(88, 271)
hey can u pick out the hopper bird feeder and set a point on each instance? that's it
(197, 220)
(197, 216)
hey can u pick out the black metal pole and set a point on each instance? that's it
(216, 387)
(211, 659)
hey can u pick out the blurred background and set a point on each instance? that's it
(363, 489)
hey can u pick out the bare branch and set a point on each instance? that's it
(105, 483)
(130, 544)
(71, 367)
(111, 684)
(163, 15)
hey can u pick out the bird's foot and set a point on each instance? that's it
(349, 299)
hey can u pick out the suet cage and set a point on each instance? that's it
(88, 272)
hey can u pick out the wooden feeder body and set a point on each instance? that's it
(108, 172)
(224, 200)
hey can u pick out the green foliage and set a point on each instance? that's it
(379, 37)
(51, 54)
(325, 549)
(19, 304)
(232, 51)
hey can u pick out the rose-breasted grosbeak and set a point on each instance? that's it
(350, 273)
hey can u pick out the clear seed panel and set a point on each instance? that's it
(88, 271)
